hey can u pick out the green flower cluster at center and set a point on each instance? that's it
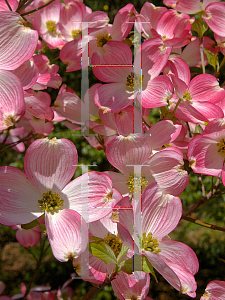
(75, 33)
(187, 96)
(134, 81)
(137, 183)
(103, 39)
(148, 243)
(51, 201)
(51, 26)
(114, 242)
(221, 146)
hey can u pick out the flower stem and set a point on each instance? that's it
(178, 102)
(92, 293)
(221, 65)
(96, 288)
(42, 245)
(8, 5)
(207, 225)
(11, 145)
(22, 5)
(34, 10)
(202, 58)
(203, 199)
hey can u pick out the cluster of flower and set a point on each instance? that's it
(114, 226)
(41, 292)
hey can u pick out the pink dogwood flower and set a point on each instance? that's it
(124, 84)
(97, 37)
(45, 21)
(206, 154)
(215, 290)
(190, 7)
(44, 188)
(198, 98)
(166, 167)
(215, 17)
(134, 286)
(155, 216)
(48, 76)
(173, 28)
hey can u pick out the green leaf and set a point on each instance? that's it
(42, 227)
(102, 251)
(31, 225)
(198, 129)
(147, 267)
(127, 266)
(128, 42)
(212, 59)
(132, 264)
(123, 251)
(94, 238)
(200, 27)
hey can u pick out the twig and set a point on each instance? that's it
(32, 254)
(212, 185)
(96, 288)
(37, 267)
(36, 9)
(202, 58)
(221, 65)
(92, 293)
(29, 136)
(8, 5)
(207, 225)
(54, 59)
(22, 5)
(5, 138)
(203, 187)
(173, 112)
(203, 199)
(145, 123)
(100, 141)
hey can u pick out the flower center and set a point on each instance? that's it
(131, 14)
(75, 33)
(184, 289)
(114, 242)
(207, 295)
(108, 196)
(134, 81)
(51, 26)
(221, 146)
(148, 243)
(133, 298)
(137, 183)
(51, 202)
(187, 96)
(103, 39)
(9, 120)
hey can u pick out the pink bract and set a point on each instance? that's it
(215, 290)
(18, 42)
(12, 105)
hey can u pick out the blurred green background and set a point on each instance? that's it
(17, 265)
